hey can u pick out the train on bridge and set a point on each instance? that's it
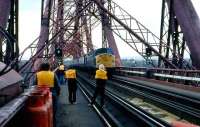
(95, 58)
(165, 96)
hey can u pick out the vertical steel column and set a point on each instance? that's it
(44, 33)
(49, 16)
(183, 16)
(16, 30)
(180, 61)
(60, 39)
(78, 45)
(87, 28)
(60, 28)
(161, 31)
(169, 28)
(173, 35)
(175, 43)
(12, 50)
(104, 38)
(4, 15)
(42, 9)
(189, 22)
(109, 35)
(88, 35)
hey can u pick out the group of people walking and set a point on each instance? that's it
(46, 77)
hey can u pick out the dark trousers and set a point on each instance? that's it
(72, 87)
(55, 106)
(61, 79)
(100, 90)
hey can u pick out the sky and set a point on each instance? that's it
(146, 11)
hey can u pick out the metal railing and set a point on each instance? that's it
(187, 77)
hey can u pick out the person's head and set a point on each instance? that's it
(44, 67)
(101, 67)
(61, 67)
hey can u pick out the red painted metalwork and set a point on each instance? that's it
(172, 32)
(59, 24)
(139, 36)
(4, 15)
(182, 124)
(190, 24)
(44, 33)
(109, 34)
(4, 12)
(65, 23)
(39, 108)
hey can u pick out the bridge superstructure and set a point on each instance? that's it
(67, 25)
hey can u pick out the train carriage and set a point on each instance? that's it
(95, 58)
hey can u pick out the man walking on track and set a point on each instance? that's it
(60, 72)
(47, 78)
(72, 87)
(101, 78)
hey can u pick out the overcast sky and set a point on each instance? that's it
(146, 11)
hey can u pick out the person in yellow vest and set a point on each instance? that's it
(60, 72)
(47, 78)
(101, 78)
(70, 75)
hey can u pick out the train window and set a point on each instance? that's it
(103, 50)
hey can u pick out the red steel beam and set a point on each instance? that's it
(190, 25)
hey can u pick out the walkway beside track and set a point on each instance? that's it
(76, 115)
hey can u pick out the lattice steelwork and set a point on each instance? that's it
(62, 36)
(171, 33)
(63, 27)
(131, 31)
(183, 22)
(68, 25)
(8, 31)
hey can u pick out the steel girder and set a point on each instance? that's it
(9, 24)
(170, 31)
(136, 35)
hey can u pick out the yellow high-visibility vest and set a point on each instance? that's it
(45, 78)
(101, 74)
(71, 73)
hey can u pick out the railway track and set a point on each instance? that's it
(120, 112)
(183, 104)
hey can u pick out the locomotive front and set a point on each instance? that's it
(105, 56)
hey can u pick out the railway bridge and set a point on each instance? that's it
(163, 92)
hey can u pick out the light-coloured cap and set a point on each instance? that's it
(61, 67)
(101, 67)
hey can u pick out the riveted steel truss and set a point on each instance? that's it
(171, 32)
(9, 31)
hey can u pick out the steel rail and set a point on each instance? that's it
(144, 117)
(88, 94)
(180, 104)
